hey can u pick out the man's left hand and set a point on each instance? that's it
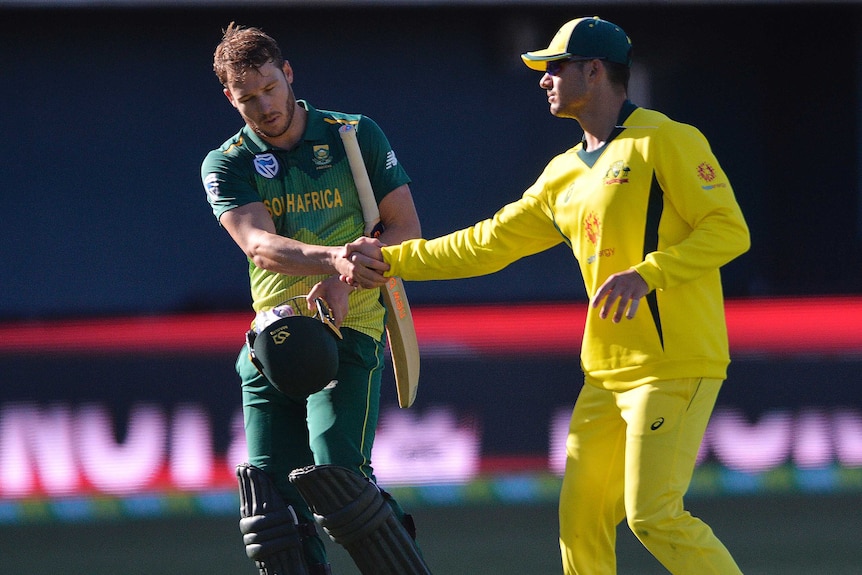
(335, 293)
(624, 289)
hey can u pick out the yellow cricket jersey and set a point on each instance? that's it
(653, 199)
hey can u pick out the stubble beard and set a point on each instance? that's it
(289, 114)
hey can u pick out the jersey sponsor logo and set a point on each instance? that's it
(707, 173)
(602, 253)
(266, 165)
(391, 160)
(593, 231)
(618, 173)
(320, 155)
(302, 203)
(211, 186)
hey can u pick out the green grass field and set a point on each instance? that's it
(769, 535)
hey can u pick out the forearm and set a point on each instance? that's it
(718, 241)
(252, 229)
(290, 257)
(703, 225)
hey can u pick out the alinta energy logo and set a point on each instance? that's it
(618, 173)
(593, 231)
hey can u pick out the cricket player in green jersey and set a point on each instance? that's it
(650, 217)
(282, 188)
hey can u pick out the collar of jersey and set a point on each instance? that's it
(591, 157)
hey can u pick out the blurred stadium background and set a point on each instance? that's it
(124, 304)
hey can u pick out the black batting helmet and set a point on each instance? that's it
(298, 354)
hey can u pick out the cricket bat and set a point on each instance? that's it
(399, 323)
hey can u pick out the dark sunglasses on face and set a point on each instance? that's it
(554, 67)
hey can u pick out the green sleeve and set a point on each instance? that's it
(228, 181)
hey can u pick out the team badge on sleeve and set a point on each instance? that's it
(211, 185)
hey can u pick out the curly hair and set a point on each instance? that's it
(243, 49)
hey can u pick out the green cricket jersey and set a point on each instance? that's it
(310, 194)
(653, 199)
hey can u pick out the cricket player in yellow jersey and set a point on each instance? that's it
(650, 217)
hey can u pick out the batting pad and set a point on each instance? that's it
(269, 527)
(354, 513)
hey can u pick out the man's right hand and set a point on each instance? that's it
(360, 263)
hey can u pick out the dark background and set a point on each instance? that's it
(107, 114)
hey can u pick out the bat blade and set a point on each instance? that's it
(401, 333)
(405, 353)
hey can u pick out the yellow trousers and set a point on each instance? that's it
(631, 455)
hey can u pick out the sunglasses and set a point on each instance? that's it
(554, 67)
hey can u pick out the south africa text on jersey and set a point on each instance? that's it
(307, 202)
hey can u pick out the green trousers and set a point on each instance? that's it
(333, 426)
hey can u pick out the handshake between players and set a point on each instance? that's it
(368, 267)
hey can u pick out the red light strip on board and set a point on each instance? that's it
(781, 325)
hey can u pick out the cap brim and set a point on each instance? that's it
(539, 59)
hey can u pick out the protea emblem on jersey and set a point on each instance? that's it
(266, 165)
(592, 228)
(320, 155)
